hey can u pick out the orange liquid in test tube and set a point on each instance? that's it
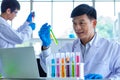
(62, 68)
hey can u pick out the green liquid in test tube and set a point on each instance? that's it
(53, 37)
(73, 64)
(73, 69)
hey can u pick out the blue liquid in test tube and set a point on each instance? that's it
(53, 68)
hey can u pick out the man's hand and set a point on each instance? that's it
(32, 25)
(30, 16)
(29, 20)
(44, 34)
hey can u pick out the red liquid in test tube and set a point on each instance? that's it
(77, 66)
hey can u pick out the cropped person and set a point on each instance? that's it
(8, 36)
(100, 56)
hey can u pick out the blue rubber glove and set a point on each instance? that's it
(30, 16)
(44, 34)
(93, 76)
(32, 25)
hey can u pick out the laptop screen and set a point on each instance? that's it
(19, 63)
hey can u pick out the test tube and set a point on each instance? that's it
(53, 67)
(58, 68)
(33, 16)
(73, 69)
(73, 64)
(63, 68)
(67, 64)
(77, 64)
(82, 71)
(62, 65)
(53, 37)
(67, 67)
(57, 64)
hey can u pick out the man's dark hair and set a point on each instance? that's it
(12, 4)
(84, 9)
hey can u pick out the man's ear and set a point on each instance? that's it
(94, 23)
(8, 11)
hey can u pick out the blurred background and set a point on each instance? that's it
(57, 14)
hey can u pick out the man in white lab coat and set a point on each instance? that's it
(8, 36)
(101, 57)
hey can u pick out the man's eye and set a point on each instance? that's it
(81, 23)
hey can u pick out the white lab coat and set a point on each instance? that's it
(10, 37)
(102, 58)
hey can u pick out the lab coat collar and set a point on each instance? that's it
(93, 48)
(96, 40)
(3, 21)
(90, 43)
(93, 42)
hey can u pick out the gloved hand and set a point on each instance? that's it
(93, 76)
(44, 34)
(30, 16)
(32, 25)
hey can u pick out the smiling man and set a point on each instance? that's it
(100, 56)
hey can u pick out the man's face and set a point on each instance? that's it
(12, 15)
(84, 27)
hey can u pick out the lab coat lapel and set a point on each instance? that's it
(93, 49)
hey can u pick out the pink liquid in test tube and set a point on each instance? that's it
(58, 68)
(77, 66)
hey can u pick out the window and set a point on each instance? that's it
(117, 21)
(42, 15)
(105, 18)
(57, 14)
(21, 15)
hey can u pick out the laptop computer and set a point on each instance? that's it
(19, 63)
